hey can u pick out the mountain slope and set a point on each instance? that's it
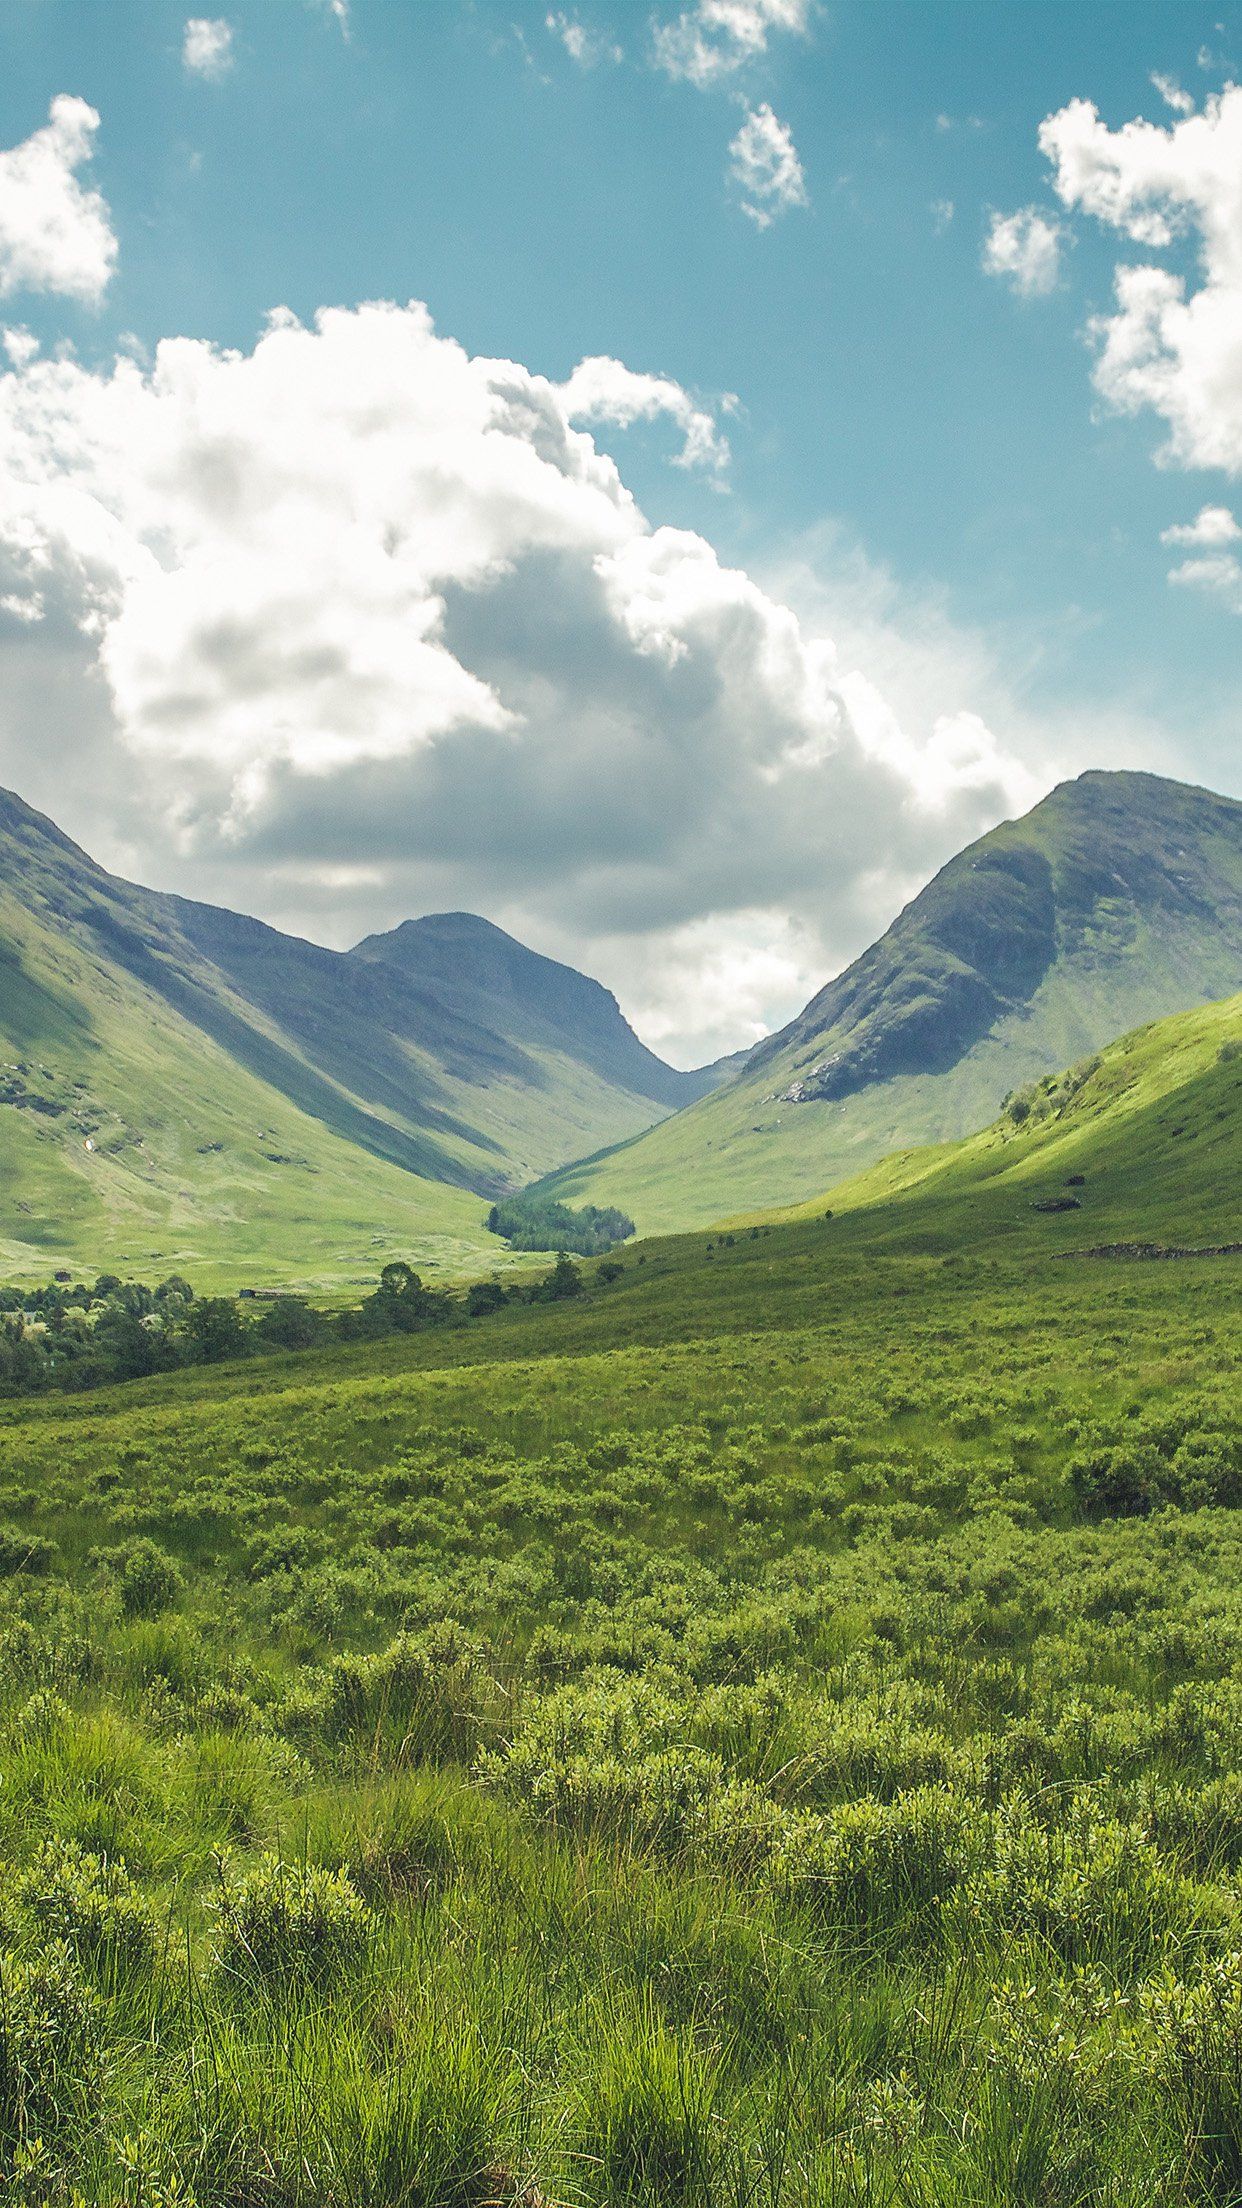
(468, 967)
(132, 1140)
(1116, 900)
(1142, 1143)
(196, 1049)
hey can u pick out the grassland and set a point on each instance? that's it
(765, 1732)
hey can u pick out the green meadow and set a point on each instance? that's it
(764, 1731)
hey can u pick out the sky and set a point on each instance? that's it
(662, 475)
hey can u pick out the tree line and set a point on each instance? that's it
(75, 1335)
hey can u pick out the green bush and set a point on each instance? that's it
(93, 1907)
(147, 1579)
(287, 1924)
(47, 2046)
(21, 1551)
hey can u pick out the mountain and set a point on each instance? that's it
(1141, 1144)
(469, 968)
(1117, 900)
(179, 1082)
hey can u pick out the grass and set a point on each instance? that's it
(764, 1733)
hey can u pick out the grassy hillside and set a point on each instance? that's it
(131, 1140)
(765, 1733)
(1144, 1139)
(182, 1086)
(1117, 900)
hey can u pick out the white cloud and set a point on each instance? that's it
(712, 39)
(1218, 573)
(1214, 569)
(603, 391)
(366, 625)
(55, 233)
(942, 213)
(1174, 344)
(1212, 526)
(20, 344)
(207, 47)
(584, 46)
(764, 164)
(339, 12)
(1172, 94)
(1024, 248)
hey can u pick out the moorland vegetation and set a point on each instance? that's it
(764, 1731)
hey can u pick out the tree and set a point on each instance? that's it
(484, 1296)
(290, 1323)
(564, 1279)
(214, 1329)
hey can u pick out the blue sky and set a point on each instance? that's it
(920, 460)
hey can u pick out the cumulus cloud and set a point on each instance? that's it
(603, 391)
(1025, 248)
(55, 232)
(764, 165)
(713, 39)
(583, 45)
(207, 47)
(1219, 574)
(1212, 526)
(1214, 569)
(357, 620)
(1174, 343)
(20, 344)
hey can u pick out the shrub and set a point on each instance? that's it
(1123, 1481)
(147, 1578)
(422, 1697)
(290, 1923)
(46, 2045)
(1199, 2062)
(873, 1866)
(25, 1552)
(92, 1906)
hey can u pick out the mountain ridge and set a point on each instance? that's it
(1116, 899)
(358, 1047)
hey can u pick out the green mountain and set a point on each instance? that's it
(1118, 899)
(181, 1084)
(1140, 1143)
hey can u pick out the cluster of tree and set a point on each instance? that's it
(536, 1223)
(71, 1336)
(1048, 1098)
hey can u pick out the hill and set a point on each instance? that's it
(1139, 1144)
(184, 1085)
(1117, 900)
